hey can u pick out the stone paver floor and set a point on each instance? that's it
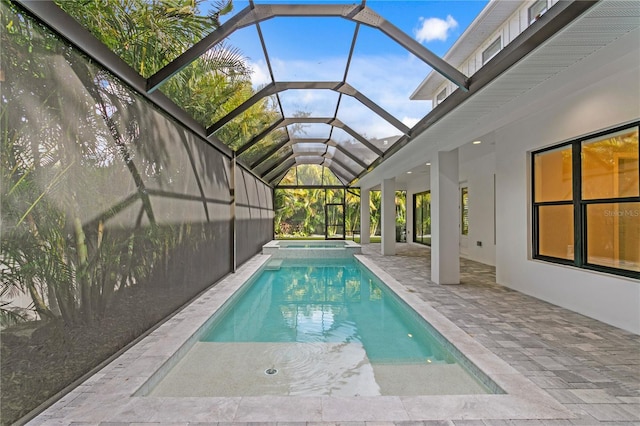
(590, 367)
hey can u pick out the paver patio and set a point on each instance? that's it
(588, 366)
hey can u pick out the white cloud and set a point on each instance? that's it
(409, 121)
(321, 69)
(388, 80)
(259, 73)
(435, 29)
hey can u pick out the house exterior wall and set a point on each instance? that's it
(607, 97)
(478, 175)
(599, 93)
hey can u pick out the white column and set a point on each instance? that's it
(388, 217)
(365, 216)
(445, 217)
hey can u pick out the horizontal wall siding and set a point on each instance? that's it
(508, 31)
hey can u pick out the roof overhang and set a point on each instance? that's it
(552, 68)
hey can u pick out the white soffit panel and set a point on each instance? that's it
(600, 26)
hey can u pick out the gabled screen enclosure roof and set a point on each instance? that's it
(326, 111)
(301, 127)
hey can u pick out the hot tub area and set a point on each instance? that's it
(286, 249)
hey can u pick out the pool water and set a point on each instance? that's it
(327, 301)
(317, 327)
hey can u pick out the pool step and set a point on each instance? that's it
(274, 265)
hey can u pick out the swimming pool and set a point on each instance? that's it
(122, 391)
(319, 327)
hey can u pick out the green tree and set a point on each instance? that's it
(54, 254)
(149, 34)
(352, 214)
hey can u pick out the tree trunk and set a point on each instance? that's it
(38, 302)
(82, 271)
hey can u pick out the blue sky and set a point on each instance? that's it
(312, 49)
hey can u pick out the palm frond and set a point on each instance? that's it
(11, 315)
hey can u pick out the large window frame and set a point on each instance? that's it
(464, 210)
(578, 204)
(418, 221)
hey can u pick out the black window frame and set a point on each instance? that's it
(579, 206)
(464, 211)
(415, 217)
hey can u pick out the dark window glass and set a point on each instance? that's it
(422, 218)
(492, 50)
(586, 199)
(537, 10)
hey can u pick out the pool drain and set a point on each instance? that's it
(270, 371)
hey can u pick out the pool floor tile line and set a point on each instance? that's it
(588, 369)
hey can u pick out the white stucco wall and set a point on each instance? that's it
(606, 97)
(479, 175)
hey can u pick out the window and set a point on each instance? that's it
(537, 10)
(422, 218)
(440, 96)
(464, 211)
(492, 50)
(586, 202)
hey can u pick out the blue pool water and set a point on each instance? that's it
(332, 300)
(317, 327)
